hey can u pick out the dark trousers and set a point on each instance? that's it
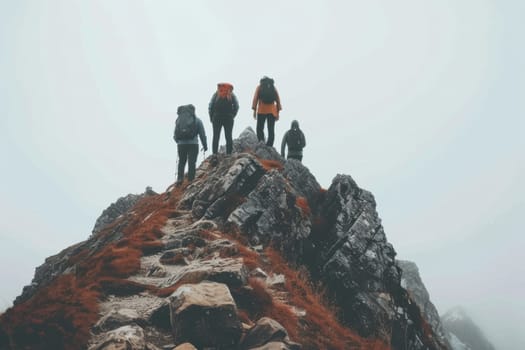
(299, 158)
(218, 124)
(270, 119)
(187, 153)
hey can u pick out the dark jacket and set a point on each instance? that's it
(214, 114)
(294, 150)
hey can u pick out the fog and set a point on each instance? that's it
(422, 103)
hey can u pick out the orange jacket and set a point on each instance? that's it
(266, 108)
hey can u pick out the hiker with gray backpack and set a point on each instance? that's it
(266, 106)
(187, 128)
(295, 140)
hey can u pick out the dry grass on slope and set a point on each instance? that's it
(320, 328)
(60, 315)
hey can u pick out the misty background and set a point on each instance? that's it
(421, 102)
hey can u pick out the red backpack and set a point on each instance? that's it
(224, 101)
(224, 90)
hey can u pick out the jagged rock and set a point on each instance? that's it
(116, 318)
(411, 281)
(302, 181)
(123, 338)
(227, 180)
(353, 257)
(248, 142)
(270, 214)
(268, 334)
(121, 206)
(205, 315)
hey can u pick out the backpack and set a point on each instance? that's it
(295, 140)
(186, 123)
(223, 100)
(267, 93)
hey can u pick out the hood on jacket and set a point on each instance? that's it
(295, 124)
(186, 109)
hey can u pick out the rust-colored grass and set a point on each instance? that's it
(257, 302)
(250, 258)
(269, 164)
(210, 235)
(60, 315)
(302, 203)
(321, 329)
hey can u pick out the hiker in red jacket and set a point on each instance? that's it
(223, 108)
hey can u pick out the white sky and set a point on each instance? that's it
(422, 102)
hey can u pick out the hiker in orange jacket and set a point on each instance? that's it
(266, 106)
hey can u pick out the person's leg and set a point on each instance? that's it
(182, 150)
(193, 151)
(271, 129)
(292, 156)
(216, 135)
(261, 118)
(228, 128)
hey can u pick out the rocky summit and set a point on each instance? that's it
(253, 254)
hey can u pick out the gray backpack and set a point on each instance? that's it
(186, 123)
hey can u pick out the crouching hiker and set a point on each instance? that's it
(295, 140)
(187, 127)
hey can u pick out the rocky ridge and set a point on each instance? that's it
(200, 266)
(463, 333)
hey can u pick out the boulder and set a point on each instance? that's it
(205, 315)
(265, 331)
(185, 346)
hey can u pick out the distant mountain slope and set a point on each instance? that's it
(463, 332)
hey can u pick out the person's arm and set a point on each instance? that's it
(278, 100)
(202, 135)
(303, 139)
(174, 134)
(211, 105)
(283, 144)
(255, 101)
(235, 105)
